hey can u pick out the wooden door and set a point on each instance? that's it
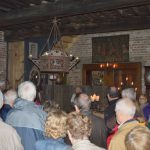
(15, 63)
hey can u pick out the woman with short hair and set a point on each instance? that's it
(79, 129)
(55, 131)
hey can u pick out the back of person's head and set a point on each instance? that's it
(78, 125)
(10, 97)
(82, 101)
(55, 126)
(50, 106)
(125, 107)
(113, 92)
(1, 99)
(2, 85)
(27, 91)
(129, 93)
(138, 139)
(78, 89)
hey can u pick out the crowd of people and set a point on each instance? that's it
(26, 125)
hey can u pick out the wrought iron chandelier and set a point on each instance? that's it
(53, 59)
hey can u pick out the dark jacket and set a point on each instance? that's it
(146, 111)
(51, 144)
(4, 110)
(99, 133)
(110, 115)
(28, 120)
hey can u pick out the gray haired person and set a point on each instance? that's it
(125, 111)
(9, 139)
(129, 93)
(9, 100)
(26, 117)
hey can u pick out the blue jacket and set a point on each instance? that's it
(146, 111)
(52, 144)
(4, 110)
(28, 120)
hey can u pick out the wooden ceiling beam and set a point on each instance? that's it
(133, 23)
(63, 9)
(124, 24)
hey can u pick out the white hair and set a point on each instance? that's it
(129, 93)
(1, 99)
(126, 106)
(27, 91)
(10, 96)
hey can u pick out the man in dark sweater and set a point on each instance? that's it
(109, 112)
(99, 133)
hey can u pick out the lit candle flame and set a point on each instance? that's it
(94, 97)
(101, 65)
(30, 55)
(114, 65)
(107, 64)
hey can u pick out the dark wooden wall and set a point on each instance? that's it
(63, 94)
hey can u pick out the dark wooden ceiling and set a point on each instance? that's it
(31, 18)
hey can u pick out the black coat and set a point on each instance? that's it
(110, 115)
(99, 133)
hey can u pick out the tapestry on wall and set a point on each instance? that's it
(110, 49)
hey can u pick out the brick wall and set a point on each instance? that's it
(139, 51)
(3, 57)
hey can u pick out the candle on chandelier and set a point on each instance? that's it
(107, 64)
(114, 66)
(101, 66)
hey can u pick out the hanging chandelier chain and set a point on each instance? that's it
(56, 37)
(59, 38)
(47, 42)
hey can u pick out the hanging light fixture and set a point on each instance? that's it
(53, 59)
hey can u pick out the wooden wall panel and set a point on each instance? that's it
(15, 63)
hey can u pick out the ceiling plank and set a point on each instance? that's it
(62, 9)
(124, 24)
